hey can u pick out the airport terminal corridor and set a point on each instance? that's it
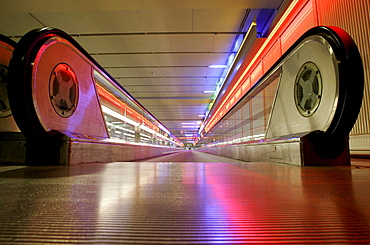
(185, 122)
(184, 198)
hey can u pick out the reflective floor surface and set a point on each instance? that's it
(185, 198)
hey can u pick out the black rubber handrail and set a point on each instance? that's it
(350, 94)
(20, 73)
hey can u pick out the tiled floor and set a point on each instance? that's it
(185, 198)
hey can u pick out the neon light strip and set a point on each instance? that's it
(212, 121)
(239, 50)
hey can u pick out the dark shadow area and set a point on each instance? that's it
(52, 171)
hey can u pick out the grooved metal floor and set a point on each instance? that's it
(184, 198)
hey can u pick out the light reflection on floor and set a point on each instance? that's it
(179, 201)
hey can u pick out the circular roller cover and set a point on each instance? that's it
(20, 87)
(50, 74)
(308, 89)
(320, 91)
(63, 90)
(307, 95)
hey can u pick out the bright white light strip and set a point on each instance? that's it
(129, 135)
(112, 113)
(125, 119)
(147, 129)
(201, 128)
(145, 136)
(118, 116)
(157, 134)
(163, 128)
(127, 130)
(187, 123)
(209, 92)
(217, 66)
(118, 127)
(240, 140)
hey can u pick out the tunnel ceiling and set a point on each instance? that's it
(160, 51)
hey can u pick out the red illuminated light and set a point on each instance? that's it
(299, 17)
(123, 108)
